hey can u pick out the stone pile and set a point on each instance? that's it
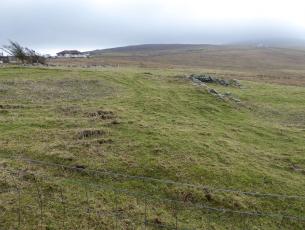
(204, 78)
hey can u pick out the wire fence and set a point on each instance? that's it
(150, 179)
(34, 201)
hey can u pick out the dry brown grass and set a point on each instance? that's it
(273, 65)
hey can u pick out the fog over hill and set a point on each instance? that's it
(149, 48)
(54, 25)
(274, 42)
(169, 48)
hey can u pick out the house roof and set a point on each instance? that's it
(73, 52)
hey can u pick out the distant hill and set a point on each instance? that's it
(154, 49)
(234, 57)
(151, 48)
(275, 42)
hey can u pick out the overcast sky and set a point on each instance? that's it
(52, 25)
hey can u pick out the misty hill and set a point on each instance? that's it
(275, 42)
(229, 57)
(153, 49)
(150, 48)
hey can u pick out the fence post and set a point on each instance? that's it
(176, 217)
(64, 207)
(40, 201)
(19, 201)
(19, 208)
(116, 209)
(145, 212)
(88, 209)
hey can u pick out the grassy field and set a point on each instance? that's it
(153, 123)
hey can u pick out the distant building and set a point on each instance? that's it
(47, 56)
(4, 59)
(71, 54)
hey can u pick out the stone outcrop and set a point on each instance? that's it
(204, 78)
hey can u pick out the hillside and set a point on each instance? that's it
(273, 64)
(124, 148)
(208, 56)
(147, 49)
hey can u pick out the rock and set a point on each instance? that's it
(216, 94)
(213, 91)
(234, 82)
(235, 99)
(203, 78)
(198, 82)
(222, 82)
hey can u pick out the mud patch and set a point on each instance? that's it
(102, 114)
(80, 167)
(11, 106)
(90, 133)
(104, 141)
(115, 122)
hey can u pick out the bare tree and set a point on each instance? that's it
(34, 57)
(16, 50)
(23, 54)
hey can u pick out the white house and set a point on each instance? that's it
(71, 54)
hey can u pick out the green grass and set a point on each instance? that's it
(163, 127)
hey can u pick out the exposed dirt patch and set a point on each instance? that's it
(11, 106)
(104, 141)
(115, 122)
(90, 133)
(80, 167)
(102, 114)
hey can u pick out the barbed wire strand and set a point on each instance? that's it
(209, 188)
(192, 205)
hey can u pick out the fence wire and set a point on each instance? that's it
(204, 187)
(45, 202)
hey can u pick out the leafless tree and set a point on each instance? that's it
(25, 55)
(34, 57)
(16, 50)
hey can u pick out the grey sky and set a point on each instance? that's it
(52, 25)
